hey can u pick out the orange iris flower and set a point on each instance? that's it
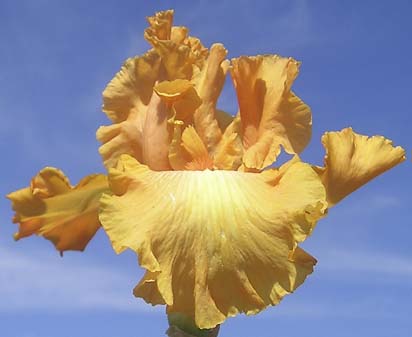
(192, 190)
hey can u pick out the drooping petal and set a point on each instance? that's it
(272, 116)
(352, 160)
(209, 83)
(54, 209)
(214, 243)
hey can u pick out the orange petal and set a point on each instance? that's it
(187, 151)
(125, 101)
(160, 24)
(179, 158)
(194, 145)
(209, 83)
(54, 209)
(215, 243)
(131, 88)
(181, 95)
(228, 155)
(157, 134)
(272, 116)
(179, 53)
(352, 160)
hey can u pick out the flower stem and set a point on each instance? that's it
(184, 326)
(174, 331)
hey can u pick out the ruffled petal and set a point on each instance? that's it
(215, 243)
(272, 116)
(132, 87)
(54, 209)
(125, 101)
(352, 160)
(122, 138)
(179, 52)
(160, 24)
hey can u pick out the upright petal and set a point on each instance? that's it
(160, 24)
(54, 209)
(214, 243)
(179, 52)
(272, 116)
(125, 101)
(157, 134)
(132, 87)
(209, 83)
(352, 160)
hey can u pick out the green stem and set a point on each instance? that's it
(183, 326)
(174, 331)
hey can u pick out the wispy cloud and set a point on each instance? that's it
(359, 307)
(367, 203)
(366, 263)
(33, 282)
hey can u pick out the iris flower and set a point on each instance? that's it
(196, 192)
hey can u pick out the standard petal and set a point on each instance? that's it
(160, 24)
(352, 160)
(272, 116)
(209, 83)
(122, 138)
(126, 100)
(132, 87)
(54, 209)
(178, 52)
(215, 243)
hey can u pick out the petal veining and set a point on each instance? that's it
(215, 243)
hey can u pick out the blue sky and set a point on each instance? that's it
(57, 56)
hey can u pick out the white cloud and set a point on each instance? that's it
(35, 282)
